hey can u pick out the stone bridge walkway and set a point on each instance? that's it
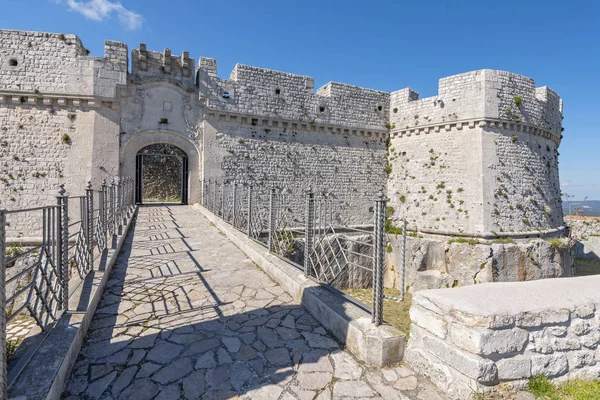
(186, 315)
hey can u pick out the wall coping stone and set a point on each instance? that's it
(525, 297)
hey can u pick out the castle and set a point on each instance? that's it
(479, 159)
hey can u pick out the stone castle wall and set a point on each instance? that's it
(469, 161)
(58, 119)
(267, 128)
(437, 262)
(478, 159)
(585, 231)
(273, 94)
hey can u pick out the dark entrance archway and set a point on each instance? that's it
(161, 175)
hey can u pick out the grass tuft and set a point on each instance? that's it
(541, 387)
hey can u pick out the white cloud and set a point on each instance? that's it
(99, 10)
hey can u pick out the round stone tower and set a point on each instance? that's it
(479, 159)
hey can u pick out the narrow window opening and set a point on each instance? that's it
(13, 62)
(321, 109)
(277, 91)
(379, 108)
(225, 95)
(163, 121)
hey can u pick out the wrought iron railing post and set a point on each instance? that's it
(272, 220)
(249, 227)
(62, 246)
(234, 212)
(113, 206)
(403, 277)
(214, 210)
(103, 216)
(3, 359)
(208, 196)
(89, 228)
(119, 201)
(126, 197)
(131, 200)
(223, 200)
(378, 259)
(309, 231)
(121, 196)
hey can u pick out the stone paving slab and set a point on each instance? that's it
(186, 315)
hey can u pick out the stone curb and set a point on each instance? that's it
(376, 346)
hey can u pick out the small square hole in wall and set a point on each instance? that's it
(278, 91)
(163, 121)
(379, 108)
(225, 95)
(321, 109)
(395, 110)
(13, 62)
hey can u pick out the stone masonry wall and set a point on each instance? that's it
(478, 159)
(293, 157)
(274, 94)
(58, 119)
(433, 184)
(435, 262)
(586, 233)
(42, 61)
(479, 336)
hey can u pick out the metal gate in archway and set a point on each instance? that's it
(161, 175)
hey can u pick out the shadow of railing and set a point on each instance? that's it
(162, 321)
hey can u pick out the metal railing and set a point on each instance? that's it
(313, 232)
(73, 233)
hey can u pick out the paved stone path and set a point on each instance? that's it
(186, 315)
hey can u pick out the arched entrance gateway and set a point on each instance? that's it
(152, 155)
(161, 172)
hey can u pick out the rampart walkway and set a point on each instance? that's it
(186, 314)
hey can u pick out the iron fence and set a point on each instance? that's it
(317, 233)
(74, 232)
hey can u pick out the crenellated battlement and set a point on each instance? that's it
(147, 64)
(479, 158)
(275, 94)
(475, 95)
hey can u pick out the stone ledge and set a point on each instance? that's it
(45, 374)
(378, 346)
(506, 332)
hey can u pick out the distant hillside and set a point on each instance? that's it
(589, 207)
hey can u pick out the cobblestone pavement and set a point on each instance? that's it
(186, 315)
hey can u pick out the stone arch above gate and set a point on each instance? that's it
(142, 140)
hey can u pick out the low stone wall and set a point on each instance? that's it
(586, 232)
(476, 337)
(435, 262)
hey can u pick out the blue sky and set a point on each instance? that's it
(386, 45)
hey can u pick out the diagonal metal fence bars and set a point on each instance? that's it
(330, 237)
(73, 233)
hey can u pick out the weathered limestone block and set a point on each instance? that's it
(549, 365)
(482, 370)
(428, 320)
(586, 232)
(515, 368)
(487, 342)
(435, 262)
